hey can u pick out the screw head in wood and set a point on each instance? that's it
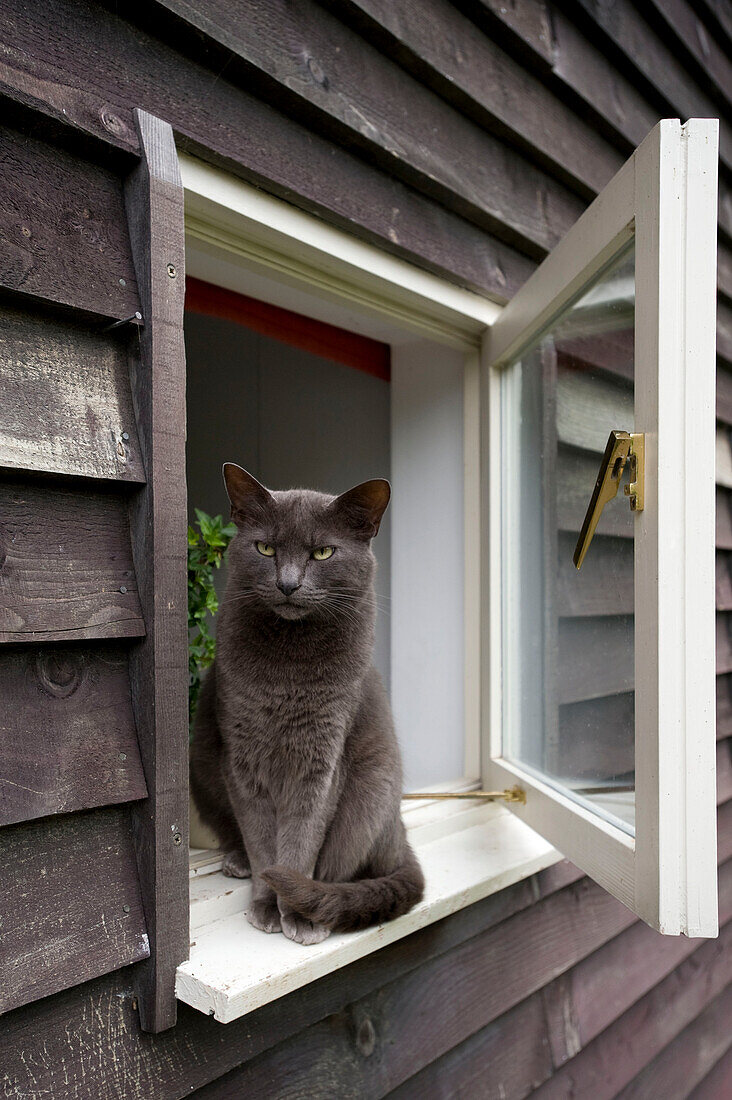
(125, 435)
(177, 839)
(123, 756)
(112, 123)
(172, 271)
(123, 282)
(125, 908)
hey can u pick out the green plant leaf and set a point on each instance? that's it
(206, 552)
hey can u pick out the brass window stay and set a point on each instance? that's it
(621, 448)
(512, 794)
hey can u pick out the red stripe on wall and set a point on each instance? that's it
(328, 341)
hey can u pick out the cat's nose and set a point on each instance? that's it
(288, 587)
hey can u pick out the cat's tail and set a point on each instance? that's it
(349, 906)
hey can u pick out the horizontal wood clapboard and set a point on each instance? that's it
(67, 403)
(66, 569)
(68, 739)
(71, 886)
(63, 229)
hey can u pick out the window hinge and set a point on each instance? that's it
(511, 794)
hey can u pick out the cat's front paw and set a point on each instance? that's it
(265, 916)
(236, 865)
(303, 931)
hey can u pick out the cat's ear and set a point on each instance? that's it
(362, 507)
(248, 498)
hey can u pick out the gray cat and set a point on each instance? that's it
(295, 763)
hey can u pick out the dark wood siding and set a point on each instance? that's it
(92, 639)
(465, 137)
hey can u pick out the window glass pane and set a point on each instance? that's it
(568, 636)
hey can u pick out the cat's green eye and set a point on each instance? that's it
(266, 549)
(323, 552)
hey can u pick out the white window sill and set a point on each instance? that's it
(466, 854)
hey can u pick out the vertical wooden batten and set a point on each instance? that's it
(159, 666)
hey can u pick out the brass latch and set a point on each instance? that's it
(511, 794)
(621, 447)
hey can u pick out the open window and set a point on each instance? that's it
(602, 690)
(592, 692)
(305, 403)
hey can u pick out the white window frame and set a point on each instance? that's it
(664, 196)
(669, 876)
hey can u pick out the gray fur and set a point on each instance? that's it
(295, 763)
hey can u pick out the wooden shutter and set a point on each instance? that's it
(93, 648)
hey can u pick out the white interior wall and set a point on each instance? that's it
(427, 561)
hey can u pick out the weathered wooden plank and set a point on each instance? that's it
(587, 999)
(686, 34)
(159, 664)
(314, 65)
(508, 1058)
(370, 102)
(622, 1050)
(232, 127)
(345, 1056)
(604, 585)
(718, 18)
(686, 1060)
(449, 54)
(595, 657)
(549, 41)
(62, 229)
(65, 565)
(67, 405)
(626, 28)
(44, 1049)
(217, 117)
(67, 741)
(527, 24)
(70, 886)
(718, 1082)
